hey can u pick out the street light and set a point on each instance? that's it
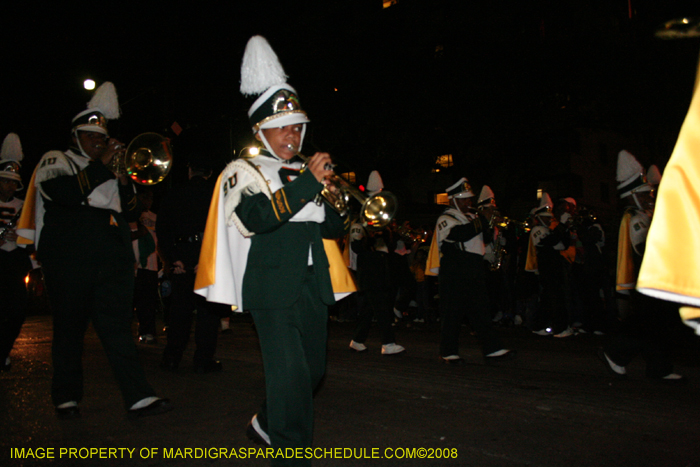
(89, 84)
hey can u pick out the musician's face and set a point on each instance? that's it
(463, 204)
(646, 200)
(279, 140)
(7, 188)
(93, 143)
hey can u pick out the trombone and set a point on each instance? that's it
(147, 160)
(377, 211)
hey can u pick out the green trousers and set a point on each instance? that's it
(293, 344)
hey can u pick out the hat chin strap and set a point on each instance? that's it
(269, 148)
(77, 141)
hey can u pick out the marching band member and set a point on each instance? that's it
(83, 241)
(14, 261)
(645, 329)
(264, 250)
(459, 235)
(548, 240)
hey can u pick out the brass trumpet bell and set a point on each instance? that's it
(147, 160)
(378, 210)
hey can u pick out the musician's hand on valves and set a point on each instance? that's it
(10, 236)
(178, 267)
(112, 148)
(320, 165)
(567, 219)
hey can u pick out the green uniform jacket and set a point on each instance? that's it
(279, 251)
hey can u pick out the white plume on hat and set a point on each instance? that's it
(487, 195)
(630, 175)
(10, 156)
(545, 206)
(653, 175)
(260, 69)
(374, 183)
(11, 149)
(106, 101)
(628, 167)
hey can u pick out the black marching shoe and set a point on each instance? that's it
(454, 360)
(671, 379)
(500, 355)
(169, 364)
(68, 413)
(209, 366)
(255, 433)
(156, 407)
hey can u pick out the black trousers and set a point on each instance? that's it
(97, 289)
(377, 304)
(14, 266)
(464, 297)
(183, 303)
(146, 300)
(553, 305)
(647, 331)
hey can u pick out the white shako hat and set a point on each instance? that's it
(461, 189)
(545, 207)
(103, 106)
(10, 157)
(278, 103)
(486, 197)
(653, 175)
(374, 183)
(630, 175)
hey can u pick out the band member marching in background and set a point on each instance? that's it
(547, 240)
(263, 250)
(83, 241)
(459, 235)
(646, 329)
(494, 255)
(14, 259)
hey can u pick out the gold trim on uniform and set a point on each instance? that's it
(82, 182)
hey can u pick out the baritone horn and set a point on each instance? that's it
(146, 160)
(377, 211)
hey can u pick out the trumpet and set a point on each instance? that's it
(377, 211)
(507, 222)
(147, 159)
(9, 225)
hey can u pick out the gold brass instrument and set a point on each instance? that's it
(9, 225)
(504, 223)
(376, 212)
(147, 159)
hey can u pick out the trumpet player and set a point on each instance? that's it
(494, 252)
(83, 241)
(461, 233)
(278, 264)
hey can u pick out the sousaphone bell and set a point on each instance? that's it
(147, 159)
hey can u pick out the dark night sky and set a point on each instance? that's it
(507, 70)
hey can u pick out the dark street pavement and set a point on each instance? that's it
(554, 405)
